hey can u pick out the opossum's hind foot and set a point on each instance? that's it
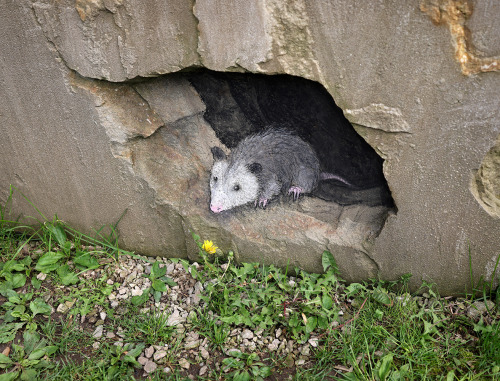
(262, 202)
(295, 192)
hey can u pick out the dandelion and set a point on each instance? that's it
(209, 247)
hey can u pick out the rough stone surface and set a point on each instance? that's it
(98, 332)
(118, 40)
(81, 143)
(150, 366)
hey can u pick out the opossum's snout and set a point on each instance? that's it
(217, 199)
(216, 208)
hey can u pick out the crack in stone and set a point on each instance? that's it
(51, 43)
(455, 13)
(371, 260)
(89, 8)
(198, 45)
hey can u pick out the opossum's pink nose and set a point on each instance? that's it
(216, 208)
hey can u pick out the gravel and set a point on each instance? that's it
(180, 303)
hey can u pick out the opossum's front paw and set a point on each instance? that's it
(295, 192)
(262, 203)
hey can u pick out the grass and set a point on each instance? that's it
(216, 334)
(54, 280)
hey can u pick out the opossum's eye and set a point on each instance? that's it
(236, 187)
(215, 179)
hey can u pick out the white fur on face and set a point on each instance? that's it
(231, 187)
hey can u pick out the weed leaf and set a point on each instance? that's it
(32, 341)
(86, 261)
(326, 302)
(9, 376)
(112, 371)
(29, 374)
(241, 376)
(382, 297)
(70, 278)
(13, 266)
(40, 352)
(383, 371)
(137, 350)
(5, 287)
(107, 290)
(8, 331)
(265, 371)
(157, 296)
(157, 271)
(169, 281)
(328, 260)
(429, 328)
(129, 359)
(378, 314)
(38, 306)
(36, 283)
(58, 232)
(138, 300)
(14, 297)
(26, 261)
(48, 262)
(18, 280)
(4, 361)
(67, 276)
(354, 288)
(158, 285)
(311, 324)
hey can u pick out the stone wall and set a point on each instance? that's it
(98, 116)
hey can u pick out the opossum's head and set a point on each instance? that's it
(232, 184)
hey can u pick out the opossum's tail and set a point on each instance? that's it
(331, 176)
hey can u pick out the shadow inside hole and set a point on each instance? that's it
(238, 105)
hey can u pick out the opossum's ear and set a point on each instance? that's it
(218, 154)
(255, 168)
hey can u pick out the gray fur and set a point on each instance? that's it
(261, 167)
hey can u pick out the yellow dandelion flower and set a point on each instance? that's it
(209, 247)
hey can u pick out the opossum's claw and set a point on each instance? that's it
(295, 192)
(262, 203)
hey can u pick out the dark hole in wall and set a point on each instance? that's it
(238, 105)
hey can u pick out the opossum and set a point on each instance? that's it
(261, 167)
